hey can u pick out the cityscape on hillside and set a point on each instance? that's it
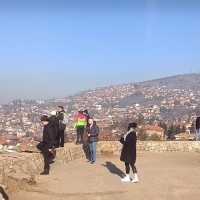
(165, 109)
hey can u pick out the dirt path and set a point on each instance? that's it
(168, 176)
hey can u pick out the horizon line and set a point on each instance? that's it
(101, 87)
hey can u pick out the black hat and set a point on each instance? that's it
(132, 125)
(61, 107)
(44, 118)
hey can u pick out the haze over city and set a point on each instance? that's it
(56, 48)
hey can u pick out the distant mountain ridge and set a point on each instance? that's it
(186, 81)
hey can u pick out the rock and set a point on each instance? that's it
(28, 147)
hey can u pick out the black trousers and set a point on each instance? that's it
(80, 133)
(61, 138)
(46, 154)
(86, 150)
(130, 165)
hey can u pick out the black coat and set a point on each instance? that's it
(60, 117)
(198, 123)
(53, 120)
(128, 153)
(49, 136)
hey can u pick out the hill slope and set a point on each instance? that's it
(187, 81)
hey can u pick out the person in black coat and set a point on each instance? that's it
(198, 129)
(128, 154)
(48, 142)
(62, 126)
(86, 147)
(86, 113)
(54, 121)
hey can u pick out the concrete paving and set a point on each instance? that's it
(163, 176)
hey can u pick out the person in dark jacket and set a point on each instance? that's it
(48, 142)
(62, 126)
(87, 115)
(85, 136)
(128, 154)
(53, 120)
(198, 129)
(93, 133)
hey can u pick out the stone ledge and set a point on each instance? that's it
(153, 146)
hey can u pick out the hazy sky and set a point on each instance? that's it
(55, 48)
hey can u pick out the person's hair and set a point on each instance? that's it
(86, 111)
(94, 122)
(61, 107)
(132, 125)
(44, 118)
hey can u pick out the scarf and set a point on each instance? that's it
(125, 135)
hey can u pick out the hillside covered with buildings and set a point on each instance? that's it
(164, 108)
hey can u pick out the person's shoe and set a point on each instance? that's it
(135, 180)
(126, 179)
(45, 172)
(92, 162)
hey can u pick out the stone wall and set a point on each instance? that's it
(152, 146)
(170, 146)
(18, 171)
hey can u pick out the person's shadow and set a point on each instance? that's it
(113, 169)
(3, 193)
